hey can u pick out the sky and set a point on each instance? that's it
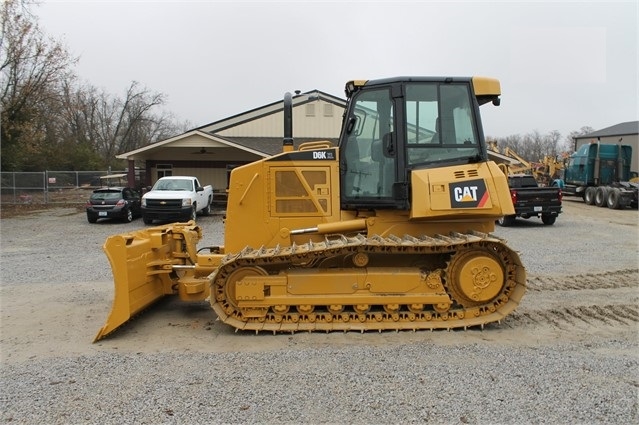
(563, 65)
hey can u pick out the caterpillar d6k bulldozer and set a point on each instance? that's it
(388, 230)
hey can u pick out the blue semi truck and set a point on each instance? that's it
(600, 174)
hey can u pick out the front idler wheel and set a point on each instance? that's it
(230, 286)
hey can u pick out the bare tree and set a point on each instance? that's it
(113, 125)
(534, 146)
(136, 111)
(120, 125)
(554, 146)
(32, 67)
(48, 120)
(570, 142)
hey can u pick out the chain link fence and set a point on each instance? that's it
(48, 187)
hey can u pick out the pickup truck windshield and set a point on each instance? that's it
(186, 185)
(522, 181)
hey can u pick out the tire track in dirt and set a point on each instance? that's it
(606, 302)
(616, 279)
(593, 315)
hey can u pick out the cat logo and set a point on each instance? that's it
(468, 194)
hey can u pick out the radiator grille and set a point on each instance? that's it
(164, 203)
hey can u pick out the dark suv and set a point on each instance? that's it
(114, 202)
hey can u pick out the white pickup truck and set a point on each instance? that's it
(176, 198)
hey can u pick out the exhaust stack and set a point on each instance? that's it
(287, 145)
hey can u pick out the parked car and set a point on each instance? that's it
(123, 203)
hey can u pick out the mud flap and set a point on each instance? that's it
(142, 265)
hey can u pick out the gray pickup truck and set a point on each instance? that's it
(531, 200)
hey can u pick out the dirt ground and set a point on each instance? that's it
(48, 318)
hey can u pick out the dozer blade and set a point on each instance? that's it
(142, 264)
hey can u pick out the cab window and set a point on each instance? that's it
(368, 162)
(439, 123)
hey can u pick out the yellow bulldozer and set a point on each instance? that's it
(389, 230)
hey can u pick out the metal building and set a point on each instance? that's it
(625, 133)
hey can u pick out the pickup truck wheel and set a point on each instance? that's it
(507, 220)
(548, 219)
(589, 195)
(207, 209)
(601, 196)
(147, 220)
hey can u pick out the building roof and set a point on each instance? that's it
(209, 135)
(269, 109)
(216, 140)
(621, 129)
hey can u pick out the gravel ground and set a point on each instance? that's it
(568, 355)
(422, 383)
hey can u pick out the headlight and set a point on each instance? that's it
(186, 202)
(143, 202)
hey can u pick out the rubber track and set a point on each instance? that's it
(292, 321)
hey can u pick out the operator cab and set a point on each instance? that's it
(393, 126)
